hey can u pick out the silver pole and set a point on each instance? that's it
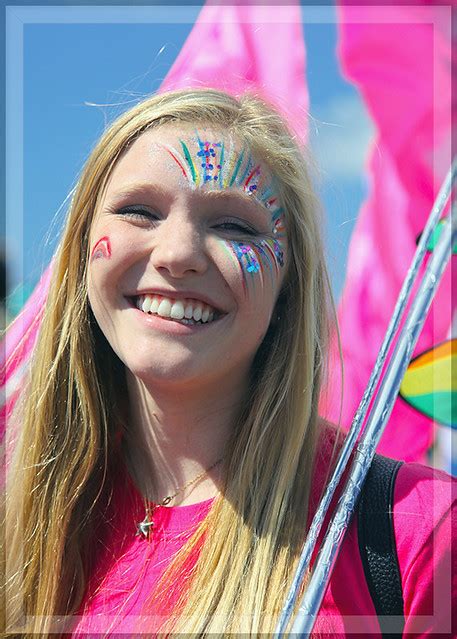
(360, 415)
(377, 421)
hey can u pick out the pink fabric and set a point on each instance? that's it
(18, 345)
(129, 567)
(399, 58)
(237, 48)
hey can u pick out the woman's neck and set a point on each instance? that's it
(173, 436)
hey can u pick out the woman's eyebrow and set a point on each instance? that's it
(147, 188)
(136, 189)
(236, 195)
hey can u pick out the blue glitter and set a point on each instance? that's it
(246, 258)
(278, 252)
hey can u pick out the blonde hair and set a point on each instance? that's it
(61, 479)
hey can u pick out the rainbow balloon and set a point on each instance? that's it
(429, 386)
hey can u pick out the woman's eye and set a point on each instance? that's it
(237, 227)
(138, 212)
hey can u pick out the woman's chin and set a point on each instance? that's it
(171, 373)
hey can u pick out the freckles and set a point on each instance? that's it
(102, 249)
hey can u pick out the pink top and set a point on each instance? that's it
(129, 566)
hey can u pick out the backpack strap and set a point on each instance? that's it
(377, 544)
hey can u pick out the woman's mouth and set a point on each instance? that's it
(184, 311)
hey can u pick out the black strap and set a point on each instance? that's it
(377, 545)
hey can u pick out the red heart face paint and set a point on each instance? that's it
(102, 248)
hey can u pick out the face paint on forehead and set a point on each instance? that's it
(102, 248)
(220, 165)
(217, 164)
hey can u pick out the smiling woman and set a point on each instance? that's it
(170, 450)
(177, 245)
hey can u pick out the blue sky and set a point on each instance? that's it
(80, 59)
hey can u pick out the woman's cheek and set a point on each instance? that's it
(110, 257)
(101, 249)
(114, 247)
(258, 264)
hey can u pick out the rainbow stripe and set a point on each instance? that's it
(190, 163)
(429, 386)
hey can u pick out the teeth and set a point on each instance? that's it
(186, 311)
(164, 309)
(146, 305)
(177, 310)
(197, 314)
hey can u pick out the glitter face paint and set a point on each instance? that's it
(218, 165)
(167, 235)
(101, 249)
(257, 259)
(213, 164)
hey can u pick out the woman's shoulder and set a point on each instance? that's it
(423, 496)
(420, 486)
(423, 500)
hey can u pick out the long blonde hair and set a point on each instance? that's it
(61, 480)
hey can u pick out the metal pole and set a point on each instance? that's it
(377, 421)
(360, 415)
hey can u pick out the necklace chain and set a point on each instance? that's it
(145, 527)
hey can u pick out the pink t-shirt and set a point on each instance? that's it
(129, 566)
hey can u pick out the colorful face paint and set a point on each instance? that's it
(102, 248)
(219, 165)
(206, 163)
(257, 259)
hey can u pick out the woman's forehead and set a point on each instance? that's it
(201, 140)
(203, 157)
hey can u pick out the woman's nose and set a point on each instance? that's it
(179, 247)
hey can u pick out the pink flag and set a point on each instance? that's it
(233, 48)
(399, 57)
(241, 48)
(17, 347)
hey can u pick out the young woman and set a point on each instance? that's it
(170, 453)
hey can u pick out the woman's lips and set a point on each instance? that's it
(178, 309)
(161, 317)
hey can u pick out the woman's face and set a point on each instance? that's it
(187, 256)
